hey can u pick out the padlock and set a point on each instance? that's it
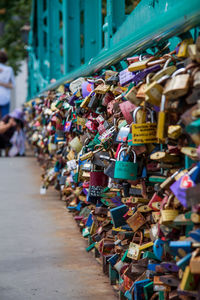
(139, 288)
(108, 134)
(168, 215)
(166, 70)
(126, 77)
(154, 90)
(198, 49)
(123, 134)
(188, 281)
(183, 48)
(76, 84)
(174, 131)
(117, 214)
(134, 251)
(94, 101)
(141, 91)
(125, 170)
(126, 108)
(192, 51)
(90, 154)
(86, 88)
(136, 221)
(86, 101)
(146, 132)
(139, 76)
(131, 96)
(178, 85)
(139, 65)
(161, 126)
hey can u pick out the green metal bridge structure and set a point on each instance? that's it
(73, 38)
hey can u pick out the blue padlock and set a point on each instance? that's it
(152, 266)
(139, 289)
(184, 262)
(117, 214)
(158, 248)
(178, 245)
(89, 221)
(195, 234)
(113, 259)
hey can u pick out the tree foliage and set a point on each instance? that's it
(14, 14)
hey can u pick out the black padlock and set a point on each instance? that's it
(126, 187)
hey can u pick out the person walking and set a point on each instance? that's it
(7, 82)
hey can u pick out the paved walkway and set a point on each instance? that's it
(42, 255)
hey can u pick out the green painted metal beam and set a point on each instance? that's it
(118, 13)
(71, 35)
(92, 32)
(53, 39)
(169, 19)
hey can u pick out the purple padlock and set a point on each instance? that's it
(142, 74)
(116, 200)
(170, 266)
(68, 126)
(72, 99)
(87, 87)
(126, 77)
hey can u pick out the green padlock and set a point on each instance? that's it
(125, 169)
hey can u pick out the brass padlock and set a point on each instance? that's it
(139, 65)
(183, 48)
(136, 221)
(164, 157)
(178, 85)
(134, 251)
(174, 131)
(192, 51)
(168, 215)
(90, 154)
(143, 133)
(167, 70)
(132, 96)
(190, 151)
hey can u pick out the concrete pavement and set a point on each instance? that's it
(42, 255)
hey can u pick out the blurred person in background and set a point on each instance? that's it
(6, 126)
(7, 82)
(12, 137)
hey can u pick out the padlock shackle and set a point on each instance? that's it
(179, 71)
(141, 107)
(148, 78)
(107, 158)
(97, 80)
(156, 62)
(126, 148)
(68, 115)
(167, 63)
(162, 79)
(162, 103)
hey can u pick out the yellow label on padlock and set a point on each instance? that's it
(133, 251)
(144, 133)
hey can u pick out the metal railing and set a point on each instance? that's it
(72, 38)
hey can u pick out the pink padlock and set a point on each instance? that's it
(127, 108)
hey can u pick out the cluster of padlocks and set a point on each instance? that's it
(123, 149)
